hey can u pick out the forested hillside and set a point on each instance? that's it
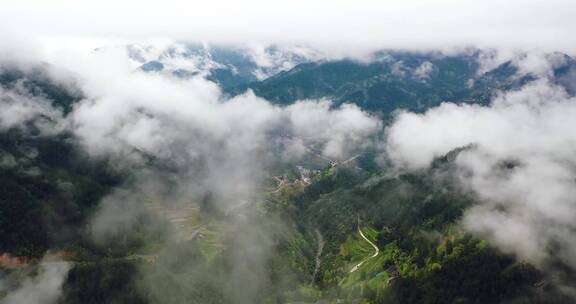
(401, 80)
(293, 214)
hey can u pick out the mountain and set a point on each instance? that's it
(316, 230)
(37, 81)
(228, 66)
(411, 219)
(403, 80)
(48, 182)
(389, 81)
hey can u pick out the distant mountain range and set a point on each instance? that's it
(229, 66)
(403, 80)
(391, 80)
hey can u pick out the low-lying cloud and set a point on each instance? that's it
(44, 288)
(19, 107)
(219, 145)
(521, 166)
(183, 143)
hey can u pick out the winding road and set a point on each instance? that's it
(318, 254)
(376, 250)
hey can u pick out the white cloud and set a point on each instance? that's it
(336, 25)
(219, 146)
(45, 288)
(522, 165)
(423, 71)
(343, 130)
(17, 107)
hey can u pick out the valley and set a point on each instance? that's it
(203, 176)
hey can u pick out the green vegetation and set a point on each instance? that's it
(295, 242)
(412, 218)
(387, 85)
(47, 186)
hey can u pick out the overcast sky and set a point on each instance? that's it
(360, 23)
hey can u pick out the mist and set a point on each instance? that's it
(184, 144)
(44, 288)
(518, 161)
(197, 161)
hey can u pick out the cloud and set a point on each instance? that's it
(188, 121)
(181, 143)
(271, 61)
(18, 107)
(521, 166)
(338, 26)
(342, 130)
(44, 288)
(423, 71)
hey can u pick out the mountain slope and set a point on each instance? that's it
(403, 80)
